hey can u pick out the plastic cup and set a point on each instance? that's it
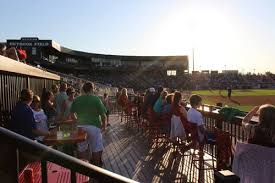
(59, 135)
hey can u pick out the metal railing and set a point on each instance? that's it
(18, 143)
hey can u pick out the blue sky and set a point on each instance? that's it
(236, 34)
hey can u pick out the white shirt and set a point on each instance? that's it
(40, 121)
(194, 116)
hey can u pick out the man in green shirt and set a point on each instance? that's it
(90, 113)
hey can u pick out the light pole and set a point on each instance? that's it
(193, 56)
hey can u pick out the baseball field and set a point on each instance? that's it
(241, 99)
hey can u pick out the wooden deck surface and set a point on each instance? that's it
(127, 152)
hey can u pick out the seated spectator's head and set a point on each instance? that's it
(195, 101)
(36, 102)
(54, 88)
(159, 90)
(70, 92)
(124, 91)
(163, 94)
(63, 87)
(177, 98)
(152, 90)
(49, 96)
(105, 95)
(169, 99)
(26, 96)
(267, 120)
(2, 48)
(88, 88)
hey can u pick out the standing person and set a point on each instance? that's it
(148, 99)
(60, 99)
(90, 114)
(157, 95)
(47, 105)
(39, 116)
(106, 103)
(229, 92)
(68, 103)
(55, 89)
(123, 99)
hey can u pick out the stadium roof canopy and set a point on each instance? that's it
(122, 57)
(30, 42)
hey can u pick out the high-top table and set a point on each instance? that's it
(66, 144)
(74, 137)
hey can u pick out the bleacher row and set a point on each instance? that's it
(184, 81)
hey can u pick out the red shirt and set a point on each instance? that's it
(122, 100)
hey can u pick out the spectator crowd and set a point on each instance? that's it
(33, 116)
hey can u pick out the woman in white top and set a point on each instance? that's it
(39, 116)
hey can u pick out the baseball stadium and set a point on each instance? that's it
(179, 104)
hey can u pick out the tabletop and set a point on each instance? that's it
(73, 137)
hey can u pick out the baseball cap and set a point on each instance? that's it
(152, 90)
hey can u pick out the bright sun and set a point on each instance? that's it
(211, 33)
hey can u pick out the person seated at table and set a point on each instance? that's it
(22, 118)
(160, 103)
(47, 105)
(66, 107)
(178, 119)
(262, 133)
(90, 114)
(39, 116)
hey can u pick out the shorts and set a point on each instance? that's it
(93, 141)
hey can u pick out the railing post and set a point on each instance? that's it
(73, 176)
(219, 121)
(28, 82)
(44, 171)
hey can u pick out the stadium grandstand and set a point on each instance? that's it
(127, 71)
(116, 70)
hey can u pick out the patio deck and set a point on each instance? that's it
(127, 153)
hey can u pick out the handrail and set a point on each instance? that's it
(52, 155)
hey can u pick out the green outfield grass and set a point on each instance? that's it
(254, 92)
